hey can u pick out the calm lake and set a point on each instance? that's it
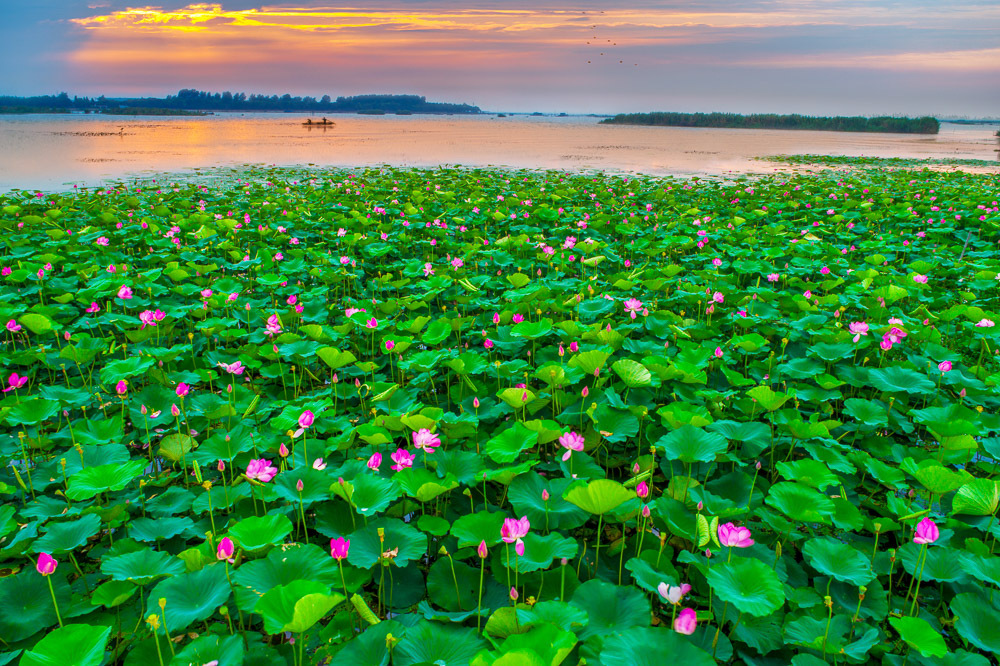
(58, 151)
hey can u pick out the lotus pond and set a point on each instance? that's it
(500, 417)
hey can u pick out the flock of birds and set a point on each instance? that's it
(597, 42)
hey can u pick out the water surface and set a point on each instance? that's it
(57, 151)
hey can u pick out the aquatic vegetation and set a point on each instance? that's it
(493, 417)
(876, 162)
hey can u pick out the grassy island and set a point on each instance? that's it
(923, 125)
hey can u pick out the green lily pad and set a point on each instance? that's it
(78, 644)
(749, 585)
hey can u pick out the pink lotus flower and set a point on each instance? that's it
(985, 323)
(944, 366)
(46, 564)
(673, 594)
(481, 550)
(353, 311)
(718, 352)
(306, 419)
(283, 450)
(773, 277)
(375, 461)
(733, 536)
(13, 326)
(121, 388)
(273, 326)
(518, 318)
(927, 532)
(94, 307)
(571, 441)
(146, 317)
(389, 345)
(686, 622)
(858, 328)
(339, 548)
(402, 458)
(426, 441)
(920, 279)
(428, 269)
(633, 305)
(125, 293)
(319, 464)
(514, 529)
(224, 551)
(182, 390)
(371, 323)
(15, 381)
(261, 470)
(236, 368)
(574, 347)
(488, 344)
(642, 490)
(718, 297)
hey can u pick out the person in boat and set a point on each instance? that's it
(309, 121)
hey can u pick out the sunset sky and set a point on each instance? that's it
(809, 56)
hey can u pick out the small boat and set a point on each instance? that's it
(321, 123)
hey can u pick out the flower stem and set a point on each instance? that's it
(55, 604)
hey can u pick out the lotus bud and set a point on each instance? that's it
(513, 594)
(635, 468)
(545, 495)
(283, 450)
(585, 392)
(299, 485)
(645, 511)
(758, 465)
(701, 505)
(222, 466)
(475, 403)
(481, 550)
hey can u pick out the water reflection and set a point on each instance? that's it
(51, 151)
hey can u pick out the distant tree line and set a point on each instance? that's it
(924, 125)
(200, 100)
